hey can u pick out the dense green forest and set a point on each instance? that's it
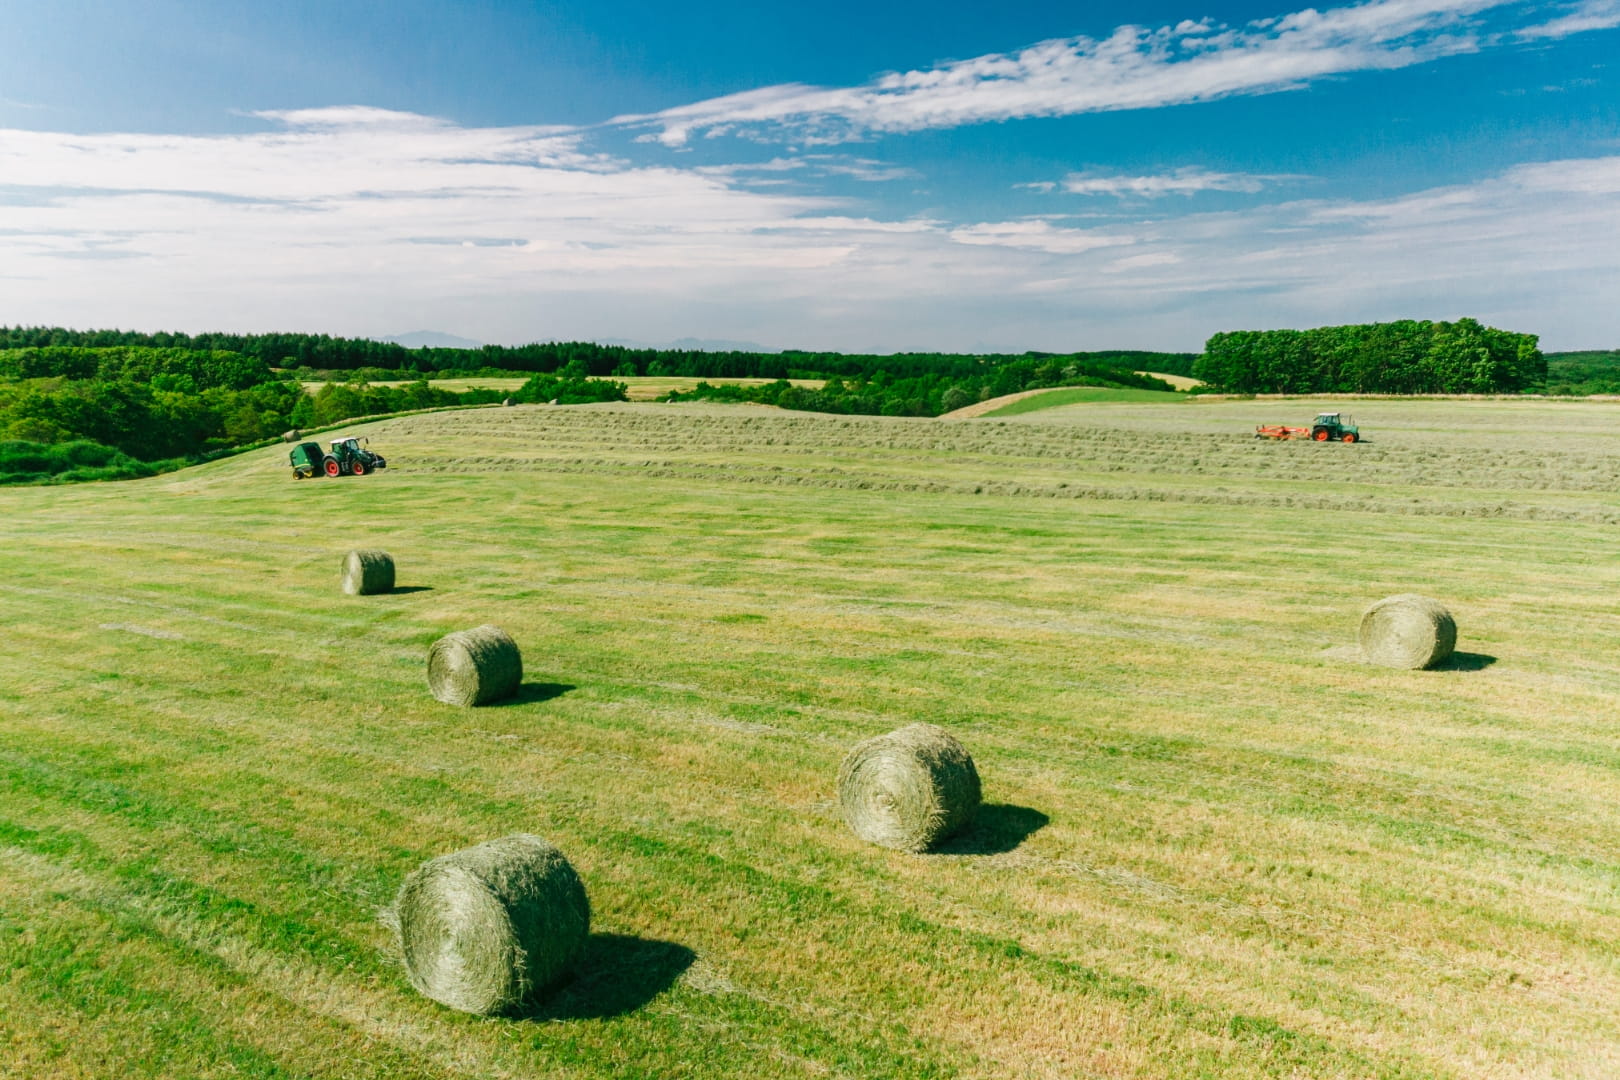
(1581, 373)
(377, 359)
(1408, 357)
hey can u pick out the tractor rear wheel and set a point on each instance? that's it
(332, 467)
(357, 467)
(1349, 436)
(1320, 435)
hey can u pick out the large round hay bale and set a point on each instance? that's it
(908, 789)
(474, 667)
(1407, 631)
(486, 929)
(367, 572)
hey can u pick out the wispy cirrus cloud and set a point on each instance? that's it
(1583, 17)
(1191, 180)
(1133, 68)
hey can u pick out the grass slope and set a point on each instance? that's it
(1081, 395)
(1214, 846)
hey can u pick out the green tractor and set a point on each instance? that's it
(1332, 427)
(349, 456)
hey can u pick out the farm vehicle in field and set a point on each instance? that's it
(348, 456)
(1328, 427)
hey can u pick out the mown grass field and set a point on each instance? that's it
(1215, 845)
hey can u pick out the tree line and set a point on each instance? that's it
(1593, 371)
(1407, 357)
(379, 359)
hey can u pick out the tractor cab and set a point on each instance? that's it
(349, 455)
(1335, 427)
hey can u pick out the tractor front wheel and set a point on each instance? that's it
(1349, 436)
(1320, 435)
(332, 467)
(358, 467)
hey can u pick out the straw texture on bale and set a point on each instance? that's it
(367, 572)
(491, 927)
(908, 789)
(474, 667)
(291, 436)
(1407, 631)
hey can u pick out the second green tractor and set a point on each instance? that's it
(349, 457)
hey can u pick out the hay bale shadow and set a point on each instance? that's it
(1465, 661)
(399, 590)
(618, 974)
(530, 692)
(997, 829)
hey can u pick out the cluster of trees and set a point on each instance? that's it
(175, 369)
(1591, 372)
(922, 395)
(145, 420)
(31, 463)
(1408, 357)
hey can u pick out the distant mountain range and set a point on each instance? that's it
(432, 339)
(692, 344)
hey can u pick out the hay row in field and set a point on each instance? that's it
(1425, 462)
(830, 477)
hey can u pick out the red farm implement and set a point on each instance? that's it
(1280, 431)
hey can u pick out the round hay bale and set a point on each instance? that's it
(508, 402)
(908, 789)
(474, 667)
(291, 436)
(366, 573)
(491, 927)
(1407, 631)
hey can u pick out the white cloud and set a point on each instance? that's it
(1133, 68)
(1186, 181)
(362, 222)
(1588, 15)
(1036, 235)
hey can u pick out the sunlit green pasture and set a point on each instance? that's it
(1082, 395)
(1215, 844)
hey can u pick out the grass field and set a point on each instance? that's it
(1082, 395)
(640, 387)
(1215, 845)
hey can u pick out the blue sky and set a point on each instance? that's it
(856, 176)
